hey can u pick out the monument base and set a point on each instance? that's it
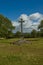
(21, 41)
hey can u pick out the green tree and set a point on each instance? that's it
(27, 35)
(41, 28)
(5, 26)
(34, 33)
(18, 34)
(40, 25)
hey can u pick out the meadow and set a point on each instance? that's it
(25, 54)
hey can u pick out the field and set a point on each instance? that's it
(25, 54)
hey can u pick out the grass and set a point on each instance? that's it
(25, 54)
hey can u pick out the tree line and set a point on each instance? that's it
(6, 30)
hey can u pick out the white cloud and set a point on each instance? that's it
(35, 16)
(24, 17)
(31, 22)
(15, 23)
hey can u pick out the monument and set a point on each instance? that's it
(21, 40)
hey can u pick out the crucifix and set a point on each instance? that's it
(21, 21)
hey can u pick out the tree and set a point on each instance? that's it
(38, 33)
(5, 26)
(34, 33)
(40, 25)
(27, 35)
(18, 34)
(41, 28)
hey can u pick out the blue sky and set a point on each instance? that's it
(14, 8)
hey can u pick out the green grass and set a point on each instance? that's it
(25, 54)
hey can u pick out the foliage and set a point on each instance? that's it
(41, 28)
(5, 27)
(18, 34)
(34, 33)
(40, 25)
(27, 35)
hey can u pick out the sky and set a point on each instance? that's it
(14, 8)
(29, 10)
